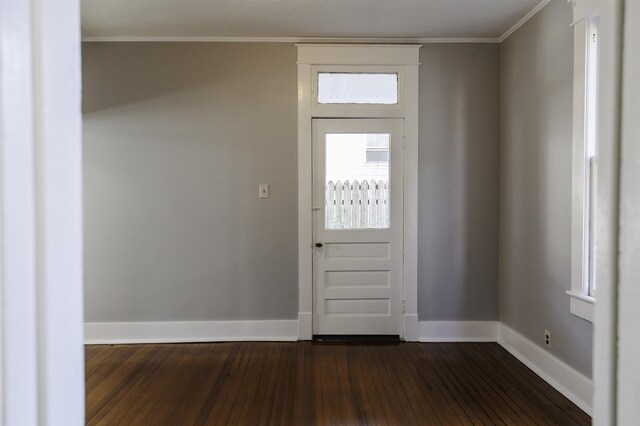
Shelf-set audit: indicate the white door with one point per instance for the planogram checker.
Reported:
(358, 219)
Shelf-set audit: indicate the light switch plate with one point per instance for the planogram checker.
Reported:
(263, 190)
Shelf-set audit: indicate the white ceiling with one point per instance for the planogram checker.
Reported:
(408, 19)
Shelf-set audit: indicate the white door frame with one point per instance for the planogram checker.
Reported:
(404, 59)
(41, 305)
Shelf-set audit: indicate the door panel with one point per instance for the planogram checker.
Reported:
(357, 279)
(357, 194)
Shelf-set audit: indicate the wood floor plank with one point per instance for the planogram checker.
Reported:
(303, 406)
(552, 400)
(493, 386)
(106, 395)
(170, 389)
(506, 386)
(439, 389)
(105, 360)
(392, 408)
(492, 403)
(202, 385)
(319, 383)
(418, 406)
(277, 407)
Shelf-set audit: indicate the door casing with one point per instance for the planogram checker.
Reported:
(405, 60)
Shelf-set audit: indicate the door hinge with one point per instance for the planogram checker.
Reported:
(404, 142)
(403, 306)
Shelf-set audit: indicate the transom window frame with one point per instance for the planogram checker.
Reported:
(360, 109)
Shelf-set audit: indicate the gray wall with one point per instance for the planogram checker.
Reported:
(535, 196)
(459, 182)
(177, 138)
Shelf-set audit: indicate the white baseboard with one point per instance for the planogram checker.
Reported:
(569, 382)
(305, 325)
(457, 331)
(190, 331)
(411, 328)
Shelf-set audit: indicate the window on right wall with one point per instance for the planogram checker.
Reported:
(585, 166)
(591, 149)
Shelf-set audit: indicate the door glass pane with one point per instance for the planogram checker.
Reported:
(357, 88)
(357, 181)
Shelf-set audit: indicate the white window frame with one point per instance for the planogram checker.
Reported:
(404, 60)
(357, 110)
(584, 173)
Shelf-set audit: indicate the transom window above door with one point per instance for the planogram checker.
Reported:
(357, 88)
(357, 91)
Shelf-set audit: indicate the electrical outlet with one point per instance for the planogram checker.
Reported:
(547, 338)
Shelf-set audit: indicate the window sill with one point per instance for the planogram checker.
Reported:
(581, 305)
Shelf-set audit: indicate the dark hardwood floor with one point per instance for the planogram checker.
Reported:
(320, 384)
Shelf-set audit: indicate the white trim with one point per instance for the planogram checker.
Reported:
(629, 242)
(605, 338)
(410, 257)
(411, 326)
(420, 40)
(191, 331)
(580, 307)
(305, 219)
(458, 331)
(408, 56)
(574, 385)
(359, 54)
(305, 325)
(523, 21)
(582, 297)
(19, 370)
(42, 368)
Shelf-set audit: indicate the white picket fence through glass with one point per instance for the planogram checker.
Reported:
(357, 204)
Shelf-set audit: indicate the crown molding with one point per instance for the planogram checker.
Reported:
(373, 40)
(522, 21)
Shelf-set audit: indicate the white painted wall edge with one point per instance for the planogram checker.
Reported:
(574, 385)
(191, 331)
(458, 331)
